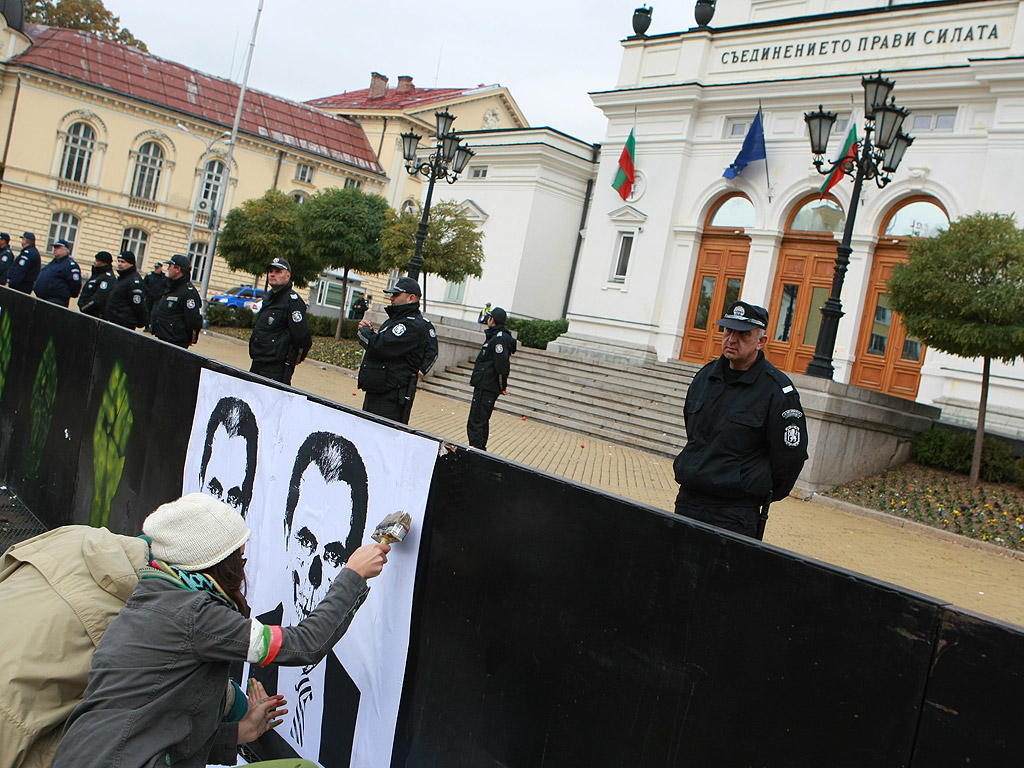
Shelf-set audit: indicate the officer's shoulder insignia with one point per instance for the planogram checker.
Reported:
(499, 349)
(294, 295)
(792, 435)
(296, 316)
(433, 333)
(399, 329)
(270, 320)
(792, 413)
(191, 303)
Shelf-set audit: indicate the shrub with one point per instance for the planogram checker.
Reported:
(953, 451)
(326, 325)
(958, 453)
(537, 333)
(230, 317)
(998, 464)
(929, 446)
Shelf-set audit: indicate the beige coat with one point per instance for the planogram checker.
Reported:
(59, 591)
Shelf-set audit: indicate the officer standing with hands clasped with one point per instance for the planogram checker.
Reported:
(126, 304)
(61, 279)
(746, 435)
(490, 377)
(397, 354)
(93, 300)
(281, 337)
(25, 269)
(176, 317)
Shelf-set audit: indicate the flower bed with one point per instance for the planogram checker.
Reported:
(346, 353)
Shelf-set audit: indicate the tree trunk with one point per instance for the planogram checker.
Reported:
(341, 312)
(979, 436)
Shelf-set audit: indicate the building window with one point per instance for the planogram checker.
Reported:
(299, 197)
(213, 179)
(63, 226)
(149, 161)
(455, 293)
(357, 183)
(622, 259)
(135, 240)
(409, 207)
(330, 294)
(736, 129)
(934, 122)
(79, 142)
(197, 254)
(479, 172)
(393, 276)
(304, 173)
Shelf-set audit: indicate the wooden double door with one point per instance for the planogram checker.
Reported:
(721, 264)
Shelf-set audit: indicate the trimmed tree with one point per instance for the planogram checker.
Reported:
(262, 229)
(963, 292)
(341, 230)
(453, 249)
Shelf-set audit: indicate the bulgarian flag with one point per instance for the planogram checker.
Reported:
(624, 179)
(847, 157)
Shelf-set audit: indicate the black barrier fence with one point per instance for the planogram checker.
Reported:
(555, 625)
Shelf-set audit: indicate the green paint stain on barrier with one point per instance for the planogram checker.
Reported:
(5, 347)
(110, 442)
(44, 394)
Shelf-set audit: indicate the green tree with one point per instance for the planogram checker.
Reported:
(341, 230)
(265, 228)
(87, 15)
(453, 249)
(963, 292)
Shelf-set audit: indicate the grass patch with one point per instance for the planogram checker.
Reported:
(991, 512)
(345, 353)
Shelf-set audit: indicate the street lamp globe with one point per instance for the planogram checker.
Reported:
(819, 127)
(444, 123)
(410, 141)
(876, 91)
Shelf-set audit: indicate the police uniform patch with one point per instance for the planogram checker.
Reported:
(399, 329)
(103, 285)
(191, 303)
(792, 435)
(295, 296)
(792, 413)
(433, 333)
(296, 316)
(499, 349)
(137, 299)
(270, 320)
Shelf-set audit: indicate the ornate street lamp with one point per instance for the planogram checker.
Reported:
(447, 161)
(876, 158)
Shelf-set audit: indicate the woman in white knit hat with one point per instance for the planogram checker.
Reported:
(159, 691)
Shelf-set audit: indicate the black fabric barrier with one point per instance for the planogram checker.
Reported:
(554, 624)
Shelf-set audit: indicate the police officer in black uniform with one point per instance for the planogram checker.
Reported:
(126, 305)
(176, 317)
(281, 337)
(397, 354)
(61, 279)
(25, 269)
(93, 300)
(156, 284)
(6, 256)
(490, 377)
(746, 435)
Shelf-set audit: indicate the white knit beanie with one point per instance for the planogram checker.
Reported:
(195, 531)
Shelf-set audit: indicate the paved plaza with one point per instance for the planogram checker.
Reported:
(931, 562)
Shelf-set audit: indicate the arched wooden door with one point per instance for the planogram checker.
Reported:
(802, 283)
(887, 359)
(721, 265)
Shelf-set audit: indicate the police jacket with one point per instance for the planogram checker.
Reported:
(176, 317)
(96, 291)
(24, 271)
(490, 371)
(6, 259)
(156, 286)
(281, 333)
(59, 281)
(126, 304)
(746, 440)
(396, 350)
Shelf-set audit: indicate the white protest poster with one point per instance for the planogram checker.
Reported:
(323, 480)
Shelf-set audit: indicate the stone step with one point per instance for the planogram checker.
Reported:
(673, 373)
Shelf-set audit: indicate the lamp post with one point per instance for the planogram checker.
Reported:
(447, 161)
(877, 158)
(206, 155)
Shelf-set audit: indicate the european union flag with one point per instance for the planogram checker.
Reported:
(753, 148)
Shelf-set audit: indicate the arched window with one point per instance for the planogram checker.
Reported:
(63, 226)
(919, 218)
(79, 142)
(135, 240)
(197, 254)
(149, 161)
(819, 216)
(299, 196)
(213, 180)
(735, 212)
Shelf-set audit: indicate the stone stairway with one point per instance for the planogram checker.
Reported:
(640, 407)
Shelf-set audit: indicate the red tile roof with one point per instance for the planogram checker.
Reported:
(412, 98)
(87, 58)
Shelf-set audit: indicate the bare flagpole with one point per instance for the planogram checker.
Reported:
(219, 209)
(767, 178)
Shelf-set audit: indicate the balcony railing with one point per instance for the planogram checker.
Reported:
(142, 204)
(72, 188)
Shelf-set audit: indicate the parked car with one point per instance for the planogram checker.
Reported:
(241, 297)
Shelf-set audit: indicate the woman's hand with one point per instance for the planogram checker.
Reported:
(368, 561)
(264, 713)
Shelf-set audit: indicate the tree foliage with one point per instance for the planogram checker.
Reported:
(86, 15)
(265, 228)
(453, 249)
(963, 291)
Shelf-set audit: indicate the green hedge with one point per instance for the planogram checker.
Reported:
(945, 449)
(231, 317)
(537, 333)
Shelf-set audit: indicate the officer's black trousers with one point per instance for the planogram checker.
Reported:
(281, 372)
(737, 519)
(391, 405)
(478, 427)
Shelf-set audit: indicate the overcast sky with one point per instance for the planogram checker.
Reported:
(548, 54)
